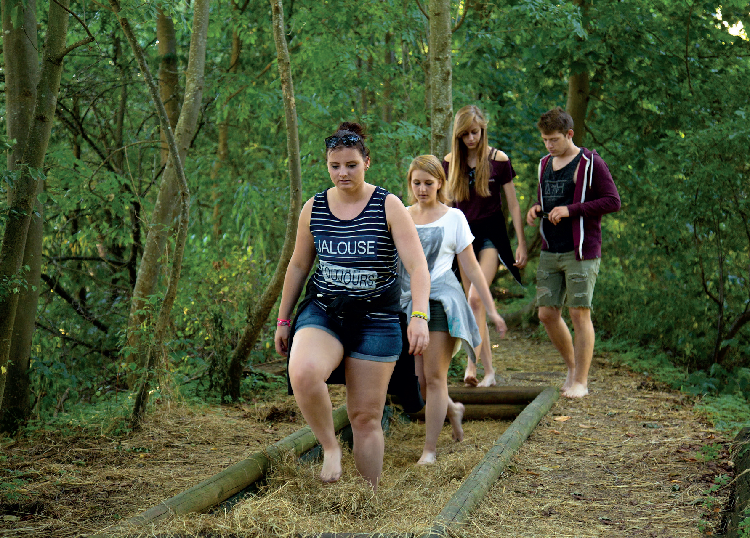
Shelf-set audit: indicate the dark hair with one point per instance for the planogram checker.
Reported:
(348, 135)
(555, 120)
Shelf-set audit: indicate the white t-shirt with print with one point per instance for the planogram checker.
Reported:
(443, 239)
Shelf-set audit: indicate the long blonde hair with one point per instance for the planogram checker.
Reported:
(431, 165)
(458, 169)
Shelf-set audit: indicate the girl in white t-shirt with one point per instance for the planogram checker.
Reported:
(444, 234)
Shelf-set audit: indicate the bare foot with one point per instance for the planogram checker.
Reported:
(331, 470)
(568, 382)
(470, 375)
(488, 380)
(576, 390)
(427, 458)
(455, 416)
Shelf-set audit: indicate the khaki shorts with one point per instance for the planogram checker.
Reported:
(560, 278)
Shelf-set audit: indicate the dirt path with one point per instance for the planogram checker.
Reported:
(632, 459)
(628, 460)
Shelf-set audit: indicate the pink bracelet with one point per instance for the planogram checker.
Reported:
(283, 322)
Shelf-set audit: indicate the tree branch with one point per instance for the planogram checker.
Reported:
(687, 48)
(422, 10)
(82, 42)
(109, 353)
(55, 286)
(463, 17)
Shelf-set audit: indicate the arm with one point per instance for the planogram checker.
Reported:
(603, 197)
(533, 214)
(471, 269)
(410, 251)
(296, 273)
(515, 213)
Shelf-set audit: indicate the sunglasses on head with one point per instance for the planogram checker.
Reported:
(347, 140)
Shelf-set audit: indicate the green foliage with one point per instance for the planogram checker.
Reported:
(11, 487)
(674, 276)
(14, 283)
(743, 527)
(727, 412)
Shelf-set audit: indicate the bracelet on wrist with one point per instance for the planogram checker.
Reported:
(420, 315)
(283, 322)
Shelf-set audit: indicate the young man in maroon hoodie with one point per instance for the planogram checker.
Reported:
(575, 190)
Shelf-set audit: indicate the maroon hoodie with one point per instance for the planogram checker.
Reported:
(595, 195)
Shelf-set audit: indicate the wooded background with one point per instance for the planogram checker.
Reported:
(134, 129)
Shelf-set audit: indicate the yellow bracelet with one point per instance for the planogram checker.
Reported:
(420, 315)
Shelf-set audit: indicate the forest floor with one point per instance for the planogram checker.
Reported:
(631, 459)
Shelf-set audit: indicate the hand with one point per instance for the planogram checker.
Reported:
(522, 257)
(499, 323)
(533, 214)
(281, 340)
(558, 213)
(418, 335)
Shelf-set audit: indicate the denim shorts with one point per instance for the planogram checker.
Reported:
(482, 243)
(560, 277)
(371, 339)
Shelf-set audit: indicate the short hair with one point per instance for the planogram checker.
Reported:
(431, 165)
(555, 120)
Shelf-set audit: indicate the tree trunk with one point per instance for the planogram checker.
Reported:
(388, 60)
(193, 95)
(222, 149)
(21, 77)
(577, 104)
(28, 181)
(441, 88)
(169, 192)
(16, 405)
(169, 82)
(263, 306)
(578, 93)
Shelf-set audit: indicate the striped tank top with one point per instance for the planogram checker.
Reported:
(356, 257)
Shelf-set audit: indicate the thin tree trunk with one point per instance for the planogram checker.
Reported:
(27, 184)
(388, 60)
(222, 149)
(263, 306)
(195, 85)
(169, 193)
(169, 82)
(441, 77)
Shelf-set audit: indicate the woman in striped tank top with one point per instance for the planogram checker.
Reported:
(358, 232)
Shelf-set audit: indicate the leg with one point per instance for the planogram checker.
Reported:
(559, 334)
(470, 375)
(488, 261)
(419, 372)
(583, 347)
(437, 361)
(314, 355)
(366, 384)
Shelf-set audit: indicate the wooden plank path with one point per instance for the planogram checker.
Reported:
(230, 481)
(240, 476)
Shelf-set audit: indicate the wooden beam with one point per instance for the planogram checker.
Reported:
(486, 472)
(494, 395)
(223, 485)
(483, 411)
(740, 498)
